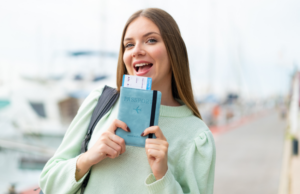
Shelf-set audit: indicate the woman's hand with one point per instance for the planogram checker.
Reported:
(157, 151)
(108, 145)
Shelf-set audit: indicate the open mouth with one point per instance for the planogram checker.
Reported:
(142, 67)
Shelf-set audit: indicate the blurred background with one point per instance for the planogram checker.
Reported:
(244, 60)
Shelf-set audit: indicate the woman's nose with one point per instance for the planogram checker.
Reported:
(138, 51)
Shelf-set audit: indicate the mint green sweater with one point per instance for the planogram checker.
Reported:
(191, 157)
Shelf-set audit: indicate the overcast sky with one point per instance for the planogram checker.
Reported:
(248, 44)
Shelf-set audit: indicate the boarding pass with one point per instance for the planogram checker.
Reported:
(137, 82)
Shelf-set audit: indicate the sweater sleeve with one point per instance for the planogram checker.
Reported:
(195, 171)
(58, 175)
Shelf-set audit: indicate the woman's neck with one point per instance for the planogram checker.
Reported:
(167, 98)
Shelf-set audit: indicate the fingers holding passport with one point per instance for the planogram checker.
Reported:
(116, 140)
(118, 124)
(157, 151)
(156, 130)
(108, 145)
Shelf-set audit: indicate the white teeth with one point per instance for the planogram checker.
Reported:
(141, 64)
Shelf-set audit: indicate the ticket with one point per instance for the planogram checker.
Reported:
(137, 82)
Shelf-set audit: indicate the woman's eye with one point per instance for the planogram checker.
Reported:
(152, 40)
(128, 45)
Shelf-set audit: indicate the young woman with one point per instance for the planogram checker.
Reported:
(182, 157)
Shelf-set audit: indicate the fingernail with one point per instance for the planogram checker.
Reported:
(142, 134)
(128, 129)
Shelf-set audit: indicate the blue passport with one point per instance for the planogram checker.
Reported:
(139, 109)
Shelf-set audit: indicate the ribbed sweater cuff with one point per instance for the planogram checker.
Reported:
(157, 186)
(72, 170)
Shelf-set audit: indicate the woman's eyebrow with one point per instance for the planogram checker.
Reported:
(150, 33)
(147, 34)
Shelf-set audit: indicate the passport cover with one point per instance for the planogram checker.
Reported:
(139, 109)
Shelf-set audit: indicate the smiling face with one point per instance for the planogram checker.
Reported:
(145, 52)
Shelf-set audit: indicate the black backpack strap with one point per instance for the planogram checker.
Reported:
(107, 99)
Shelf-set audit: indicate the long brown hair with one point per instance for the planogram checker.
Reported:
(177, 53)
